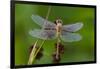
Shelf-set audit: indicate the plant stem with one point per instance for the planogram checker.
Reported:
(38, 50)
(47, 15)
(32, 53)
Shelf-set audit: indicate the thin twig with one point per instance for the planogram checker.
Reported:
(32, 53)
(47, 15)
(38, 51)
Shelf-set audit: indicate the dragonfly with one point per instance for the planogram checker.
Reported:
(51, 30)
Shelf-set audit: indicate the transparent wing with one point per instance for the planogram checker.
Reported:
(72, 27)
(70, 37)
(43, 34)
(42, 22)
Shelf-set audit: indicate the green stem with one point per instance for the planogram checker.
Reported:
(32, 53)
(38, 50)
(47, 15)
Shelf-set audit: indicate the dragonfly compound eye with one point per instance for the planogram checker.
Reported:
(58, 21)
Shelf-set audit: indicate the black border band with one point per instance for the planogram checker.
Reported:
(12, 33)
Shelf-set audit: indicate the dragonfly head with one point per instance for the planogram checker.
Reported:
(58, 21)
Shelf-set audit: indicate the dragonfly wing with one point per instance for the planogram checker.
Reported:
(42, 22)
(70, 37)
(72, 27)
(43, 34)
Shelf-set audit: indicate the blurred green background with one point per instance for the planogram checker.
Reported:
(80, 51)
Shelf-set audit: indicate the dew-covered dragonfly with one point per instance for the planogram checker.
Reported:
(50, 30)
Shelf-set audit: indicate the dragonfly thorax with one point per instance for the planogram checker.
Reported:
(58, 27)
